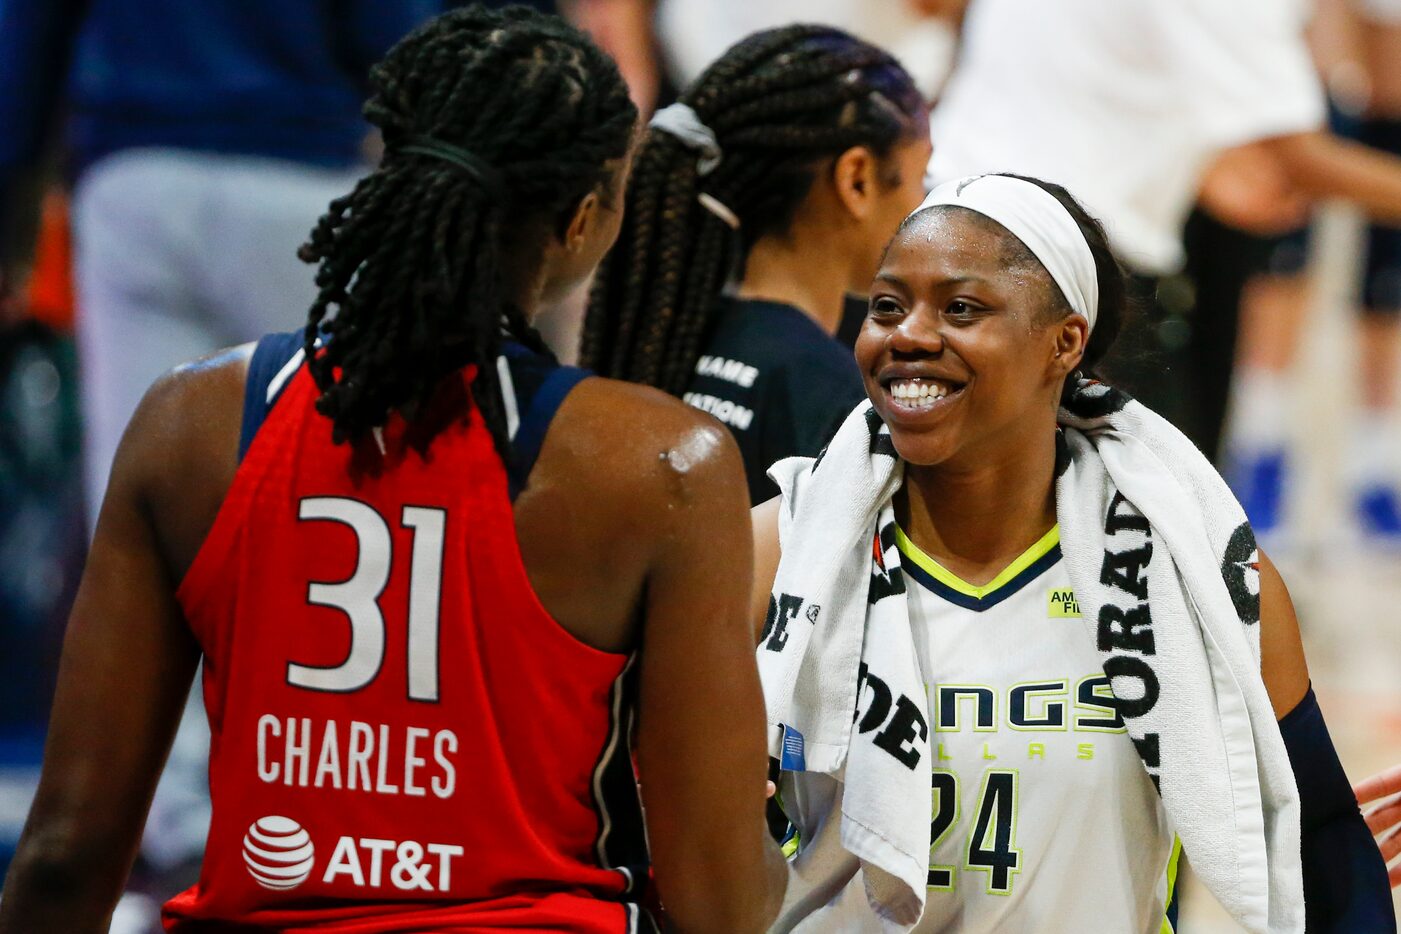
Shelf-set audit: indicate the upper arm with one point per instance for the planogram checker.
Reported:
(1282, 662)
(701, 744)
(764, 519)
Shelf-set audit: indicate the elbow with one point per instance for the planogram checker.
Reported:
(717, 895)
(54, 865)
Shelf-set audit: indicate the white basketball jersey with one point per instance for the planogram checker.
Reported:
(1043, 816)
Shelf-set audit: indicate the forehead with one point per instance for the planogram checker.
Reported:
(954, 243)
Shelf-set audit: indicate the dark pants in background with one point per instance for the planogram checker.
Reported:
(1177, 352)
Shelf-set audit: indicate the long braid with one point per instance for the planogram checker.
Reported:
(779, 104)
(410, 261)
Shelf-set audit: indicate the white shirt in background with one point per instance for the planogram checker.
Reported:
(694, 33)
(1124, 102)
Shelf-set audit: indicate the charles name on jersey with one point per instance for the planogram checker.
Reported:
(375, 758)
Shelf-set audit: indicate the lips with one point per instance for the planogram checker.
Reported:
(913, 396)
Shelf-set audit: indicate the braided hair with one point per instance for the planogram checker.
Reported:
(529, 112)
(779, 103)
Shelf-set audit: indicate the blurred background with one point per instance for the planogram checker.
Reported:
(161, 160)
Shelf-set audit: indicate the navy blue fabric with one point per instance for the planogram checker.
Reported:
(269, 357)
(277, 78)
(779, 382)
(1032, 571)
(1345, 883)
(540, 387)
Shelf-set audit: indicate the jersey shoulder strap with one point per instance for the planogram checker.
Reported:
(276, 360)
(533, 387)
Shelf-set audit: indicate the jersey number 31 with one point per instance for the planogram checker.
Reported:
(358, 597)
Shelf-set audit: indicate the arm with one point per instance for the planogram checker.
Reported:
(623, 29)
(128, 659)
(1247, 188)
(701, 748)
(1386, 817)
(1321, 165)
(1345, 886)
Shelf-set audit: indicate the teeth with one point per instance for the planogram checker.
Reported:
(918, 391)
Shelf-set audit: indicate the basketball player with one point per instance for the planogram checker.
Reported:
(1045, 820)
(785, 168)
(420, 561)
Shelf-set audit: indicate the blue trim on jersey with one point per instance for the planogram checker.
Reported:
(540, 383)
(1034, 570)
(269, 357)
(539, 411)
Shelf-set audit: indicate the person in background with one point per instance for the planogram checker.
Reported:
(757, 203)
(919, 33)
(1361, 55)
(202, 140)
(357, 525)
(1127, 102)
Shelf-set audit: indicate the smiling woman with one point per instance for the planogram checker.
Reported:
(1011, 573)
(976, 338)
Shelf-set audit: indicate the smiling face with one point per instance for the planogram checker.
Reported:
(967, 342)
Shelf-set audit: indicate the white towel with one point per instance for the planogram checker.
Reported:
(1162, 561)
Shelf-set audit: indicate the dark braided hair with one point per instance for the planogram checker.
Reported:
(410, 261)
(779, 103)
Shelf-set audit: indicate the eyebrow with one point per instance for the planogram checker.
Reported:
(956, 280)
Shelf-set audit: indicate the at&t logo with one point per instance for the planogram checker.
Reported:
(278, 853)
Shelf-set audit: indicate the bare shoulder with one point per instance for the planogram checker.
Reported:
(646, 446)
(187, 414)
(180, 450)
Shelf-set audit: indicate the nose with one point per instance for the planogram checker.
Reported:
(918, 334)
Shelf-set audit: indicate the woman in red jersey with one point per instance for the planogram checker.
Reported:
(427, 569)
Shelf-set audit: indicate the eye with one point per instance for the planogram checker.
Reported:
(884, 305)
(959, 308)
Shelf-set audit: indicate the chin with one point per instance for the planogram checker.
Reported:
(924, 448)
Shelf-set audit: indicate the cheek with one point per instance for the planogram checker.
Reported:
(870, 341)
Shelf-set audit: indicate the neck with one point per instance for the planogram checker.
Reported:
(810, 273)
(976, 520)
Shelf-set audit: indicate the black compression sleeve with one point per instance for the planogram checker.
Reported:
(1345, 883)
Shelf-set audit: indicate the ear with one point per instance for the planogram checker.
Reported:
(855, 178)
(1071, 335)
(576, 233)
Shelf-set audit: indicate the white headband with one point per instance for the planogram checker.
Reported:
(1037, 219)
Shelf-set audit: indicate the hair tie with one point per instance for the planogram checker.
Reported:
(680, 121)
(1037, 218)
(484, 172)
(717, 207)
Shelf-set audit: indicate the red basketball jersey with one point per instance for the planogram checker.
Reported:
(402, 737)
